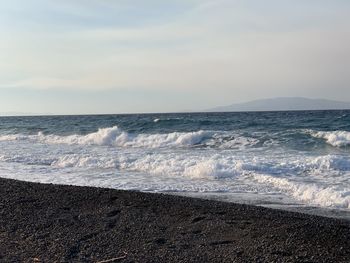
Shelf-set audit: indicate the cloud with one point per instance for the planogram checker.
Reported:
(242, 48)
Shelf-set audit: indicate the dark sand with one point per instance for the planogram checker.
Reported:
(48, 223)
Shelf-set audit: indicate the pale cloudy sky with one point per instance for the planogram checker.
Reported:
(114, 56)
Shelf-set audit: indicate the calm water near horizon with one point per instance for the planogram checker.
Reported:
(290, 160)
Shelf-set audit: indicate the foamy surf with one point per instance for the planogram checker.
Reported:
(114, 136)
(240, 157)
(312, 194)
(334, 138)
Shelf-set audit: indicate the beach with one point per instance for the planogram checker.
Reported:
(57, 223)
(174, 131)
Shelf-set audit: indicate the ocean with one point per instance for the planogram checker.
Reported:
(288, 160)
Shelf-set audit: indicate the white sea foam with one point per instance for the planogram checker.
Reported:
(166, 119)
(182, 166)
(335, 138)
(312, 194)
(198, 164)
(12, 137)
(114, 136)
(27, 159)
(212, 169)
(86, 161)
(169, 162)
(330, 162)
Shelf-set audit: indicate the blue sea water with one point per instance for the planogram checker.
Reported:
(290, 160)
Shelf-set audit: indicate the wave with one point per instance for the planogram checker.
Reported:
(84, 161)
(321, 175)
(325, 196)
(160, 164)
(28, 159)
(114, 136)
(167, 119)
(330, 162)
(211, 167)
(208, 163)
(334, 138)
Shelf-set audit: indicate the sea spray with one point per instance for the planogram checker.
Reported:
(280, 158)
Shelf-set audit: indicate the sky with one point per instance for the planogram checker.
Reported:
(128, 56)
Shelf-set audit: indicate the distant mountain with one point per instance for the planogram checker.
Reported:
(285, 104)
(15, 113)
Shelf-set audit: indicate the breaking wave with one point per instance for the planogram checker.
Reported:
(334, 138)
(291, 162)
(325, 196)
(114, 136)
(222, 172)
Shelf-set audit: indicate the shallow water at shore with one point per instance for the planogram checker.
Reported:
(289, 160)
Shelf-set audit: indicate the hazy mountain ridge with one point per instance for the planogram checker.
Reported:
(285, 104)
(19, 114)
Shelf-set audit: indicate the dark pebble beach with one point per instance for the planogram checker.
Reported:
(56, 223)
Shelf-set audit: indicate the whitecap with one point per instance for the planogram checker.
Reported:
(325, 196)
(116, 137)
(334, 138)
